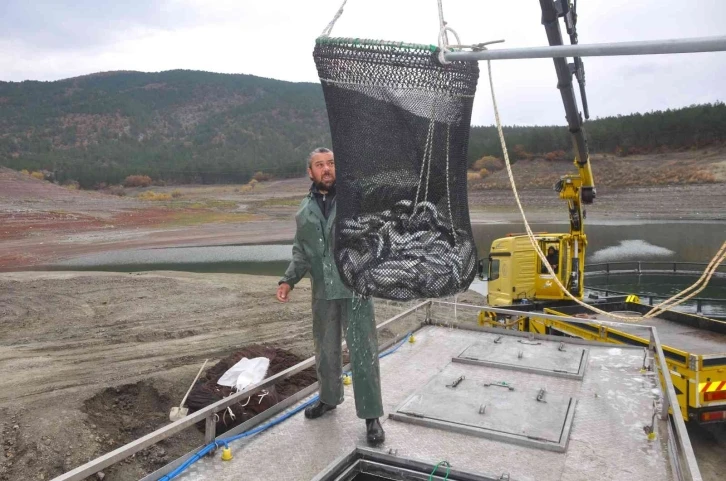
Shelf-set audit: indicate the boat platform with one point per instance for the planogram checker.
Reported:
(479, 404)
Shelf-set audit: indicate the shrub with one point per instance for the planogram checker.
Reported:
(556, 155)
(175, 194)
(472, 176)
(484, 173)
(71, 184)
(261, 177)
(137, 181)
(37, 175)
(25, 171)
(492, 164)
(519, 153)
(151, 195)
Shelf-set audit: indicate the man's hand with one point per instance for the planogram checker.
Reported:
(283, 292)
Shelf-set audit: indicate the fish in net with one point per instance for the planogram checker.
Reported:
(400, 124)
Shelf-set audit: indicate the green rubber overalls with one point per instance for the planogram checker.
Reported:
(336, 310)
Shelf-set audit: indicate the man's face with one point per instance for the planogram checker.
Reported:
(322, 170)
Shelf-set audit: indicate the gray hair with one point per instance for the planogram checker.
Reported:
(319, 150)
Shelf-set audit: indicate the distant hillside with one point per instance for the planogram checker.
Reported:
(189, 126)
(176, 125)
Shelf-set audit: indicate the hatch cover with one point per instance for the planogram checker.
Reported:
(527, 415)
(542, 357)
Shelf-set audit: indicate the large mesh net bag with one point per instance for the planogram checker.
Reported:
(400, 125)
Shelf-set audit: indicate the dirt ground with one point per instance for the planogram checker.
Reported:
(90, 361)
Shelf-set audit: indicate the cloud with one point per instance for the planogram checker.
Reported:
(44, 25)
(49, 40)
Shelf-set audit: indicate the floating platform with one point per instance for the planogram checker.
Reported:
(493, 405)
(463, 403)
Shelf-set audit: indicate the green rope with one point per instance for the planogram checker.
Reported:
(354, 42)
(448, 468)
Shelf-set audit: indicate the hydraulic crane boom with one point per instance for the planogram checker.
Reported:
(551, 11)
(575, 189)
(516, 273)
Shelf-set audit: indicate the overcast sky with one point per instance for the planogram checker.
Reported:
(57, 39)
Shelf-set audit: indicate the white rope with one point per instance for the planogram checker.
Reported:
(704, 279)
(329, 28)
(713, 265)
(448, 190)
(426, 159)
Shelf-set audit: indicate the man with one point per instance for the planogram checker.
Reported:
(335, 308)
(553, 257)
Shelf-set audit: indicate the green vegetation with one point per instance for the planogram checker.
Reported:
(678, 129)
(178, 126)
(198, 127)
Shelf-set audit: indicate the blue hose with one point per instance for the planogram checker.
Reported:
(224, 441)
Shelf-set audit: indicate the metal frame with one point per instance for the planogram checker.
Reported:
(559, 447)
(688, 467)
(683, 455)
(374, 462)
(544, 372)
(649, 47)
(207, 415)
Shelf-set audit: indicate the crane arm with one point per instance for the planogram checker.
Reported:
(552, 10)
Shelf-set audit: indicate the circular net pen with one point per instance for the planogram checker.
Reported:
(400, 125)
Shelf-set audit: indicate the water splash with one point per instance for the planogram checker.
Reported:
(630, 249)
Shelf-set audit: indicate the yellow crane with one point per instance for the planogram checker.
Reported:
(515, 272)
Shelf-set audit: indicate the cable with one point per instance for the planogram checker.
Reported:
(441, 463)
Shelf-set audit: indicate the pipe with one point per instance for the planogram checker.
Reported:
(649, 47)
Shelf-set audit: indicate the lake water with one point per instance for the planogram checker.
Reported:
(607, 242)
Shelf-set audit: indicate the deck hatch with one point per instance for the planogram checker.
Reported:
(529, 355)
(526, 415)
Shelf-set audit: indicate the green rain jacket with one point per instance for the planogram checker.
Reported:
(312, 251)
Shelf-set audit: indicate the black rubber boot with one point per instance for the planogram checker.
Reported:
(318, 409)
(374, 431)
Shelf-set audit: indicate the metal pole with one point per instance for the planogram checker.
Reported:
(649, 47)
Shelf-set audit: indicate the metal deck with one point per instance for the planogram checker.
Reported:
(679, 336)
(607, 441)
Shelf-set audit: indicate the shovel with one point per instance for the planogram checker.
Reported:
(179, 412)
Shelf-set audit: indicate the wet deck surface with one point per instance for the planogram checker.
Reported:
(614, 402)
(680, 336)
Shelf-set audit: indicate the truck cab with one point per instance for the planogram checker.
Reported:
(516, 274)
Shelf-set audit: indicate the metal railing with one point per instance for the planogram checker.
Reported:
(648, 47)
(651, 267)
(659, 267)
(697, 303)
(687, 466)
(208, 413)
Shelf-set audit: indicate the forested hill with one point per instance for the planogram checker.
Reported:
(191, 126)
(178, 125)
